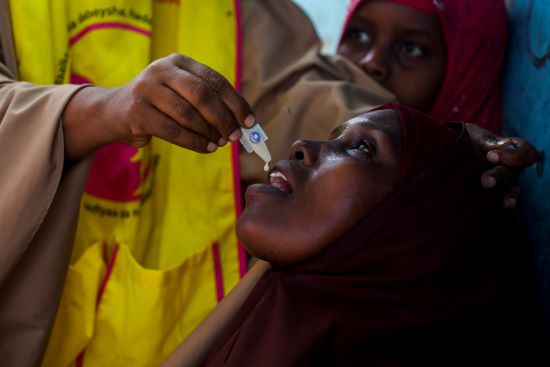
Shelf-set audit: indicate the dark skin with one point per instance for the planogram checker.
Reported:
(291, 217)
(404, 50)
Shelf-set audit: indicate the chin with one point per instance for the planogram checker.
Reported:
(241, 228)
(259, 240)
(246, 230)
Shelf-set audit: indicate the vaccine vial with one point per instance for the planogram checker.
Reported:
(253, 140)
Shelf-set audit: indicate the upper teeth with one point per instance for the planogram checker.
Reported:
(279, 181)
(277, 174)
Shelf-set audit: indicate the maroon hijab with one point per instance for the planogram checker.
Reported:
(476, 35)
(435, 275)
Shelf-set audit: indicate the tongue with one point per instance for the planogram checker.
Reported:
(282, 185)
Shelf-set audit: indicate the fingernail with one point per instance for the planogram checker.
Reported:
(511, 147)
(511, 203)
(249, 121)
(235, 135)
(222, 142)
(491, 182)
(211, 147)
(493, 157)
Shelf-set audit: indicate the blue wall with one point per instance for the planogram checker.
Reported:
(527, 114)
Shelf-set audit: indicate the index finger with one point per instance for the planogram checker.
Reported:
(233, 100)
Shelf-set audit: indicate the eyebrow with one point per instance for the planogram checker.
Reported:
(414, 31)
(385, 128)
(418, 32)
(336, 131)
(376, 125)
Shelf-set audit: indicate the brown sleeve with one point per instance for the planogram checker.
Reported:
(7, 49)
(39, 200)
(294, 90)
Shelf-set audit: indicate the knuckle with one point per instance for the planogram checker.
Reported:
(227, 123)
(173, 57)
(185, 112)
(138, 88)
(178, 57)
(217, 81)
(203, 94)
(155, 67)
(180, 61)
(172, 131)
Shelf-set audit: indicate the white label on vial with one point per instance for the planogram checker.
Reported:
(252, 136)
(253, 140)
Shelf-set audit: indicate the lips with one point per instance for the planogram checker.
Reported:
(278, 180)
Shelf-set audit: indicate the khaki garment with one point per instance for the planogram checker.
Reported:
(295, 92)
(39, 196)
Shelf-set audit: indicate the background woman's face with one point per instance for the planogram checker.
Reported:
(323, 189)
(400, 47)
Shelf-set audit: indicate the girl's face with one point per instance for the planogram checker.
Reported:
(323, 189)
(400, 47)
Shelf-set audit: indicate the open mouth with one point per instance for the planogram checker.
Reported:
(279, 181)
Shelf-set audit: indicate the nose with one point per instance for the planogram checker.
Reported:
(375, 64)
(306, 151)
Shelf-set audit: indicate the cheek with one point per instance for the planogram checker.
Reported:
(339, 206)
(289, 231)
(350, 52)
(285, 235)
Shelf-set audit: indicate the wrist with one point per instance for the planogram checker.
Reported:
(87, 122)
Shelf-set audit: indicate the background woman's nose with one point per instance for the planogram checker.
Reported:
(305, 151)
(374, 64)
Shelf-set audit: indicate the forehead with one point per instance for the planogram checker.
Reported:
(385, 121)
(398, 15)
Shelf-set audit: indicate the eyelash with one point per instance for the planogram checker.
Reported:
(404, 45)
(356, 33)
(365, 146)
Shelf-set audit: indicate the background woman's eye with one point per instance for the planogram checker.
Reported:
(412, 49)
(360, 36)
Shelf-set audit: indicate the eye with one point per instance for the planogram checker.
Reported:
(411, 49)
(365, 146)
(360, 36)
